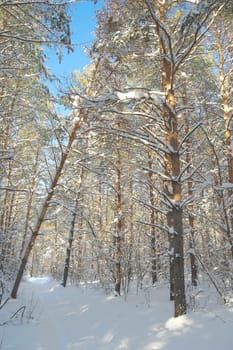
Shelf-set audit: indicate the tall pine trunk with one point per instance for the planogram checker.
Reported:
(173, 186)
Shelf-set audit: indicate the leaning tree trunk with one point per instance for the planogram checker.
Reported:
(44, 208)
(64, 155)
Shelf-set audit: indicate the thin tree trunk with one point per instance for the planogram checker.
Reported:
(100, 233)
(152, 221)
(54, 264)
(30, 198)
(118, 237)
(4, 220)
(131, 229)
(80, 251)
(72, 228)
(193, 262)
(9, 205)
(225, 94)
(70, 242)
(218, 181)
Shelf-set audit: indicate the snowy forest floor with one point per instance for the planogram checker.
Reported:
(85, 318)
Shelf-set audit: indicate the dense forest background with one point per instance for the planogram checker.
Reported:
(133, 184)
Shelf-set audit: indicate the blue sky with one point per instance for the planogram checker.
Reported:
(83, 29)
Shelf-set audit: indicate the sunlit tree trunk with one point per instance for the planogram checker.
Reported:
(172, 187)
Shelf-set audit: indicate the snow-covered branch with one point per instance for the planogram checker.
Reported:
(193, 171)
(118, 96)
(198, 33)
(185, 138)
(160, 227)
(159, 173)
(8, 156)
(183, 170)
(140, 138)
(149, 206)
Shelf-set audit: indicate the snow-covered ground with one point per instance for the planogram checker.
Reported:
(57, 318)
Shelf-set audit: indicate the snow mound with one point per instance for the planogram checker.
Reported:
(38, 280)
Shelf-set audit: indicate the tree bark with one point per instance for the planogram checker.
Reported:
(131, 229)
(193, 262)
(175, 224)
(172, 187)
(118, 237)
(152, 221)
(72, 229)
